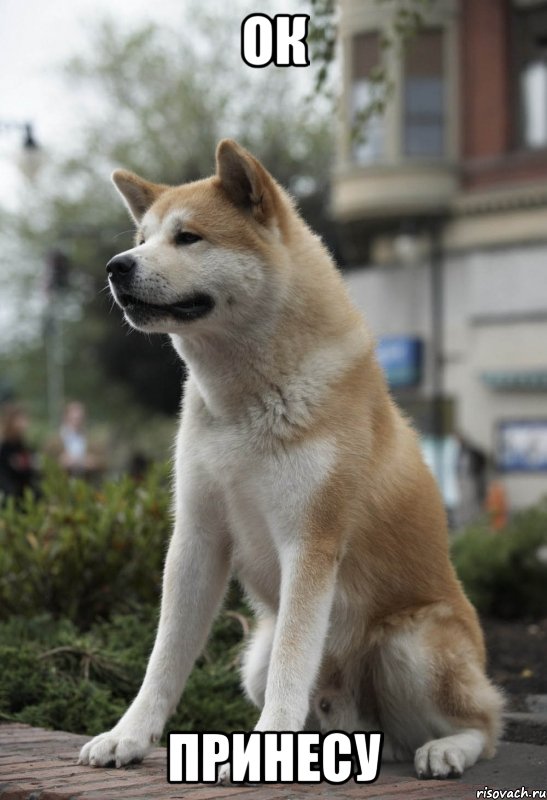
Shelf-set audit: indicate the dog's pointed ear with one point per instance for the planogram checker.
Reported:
(246, 182)
(137, 193)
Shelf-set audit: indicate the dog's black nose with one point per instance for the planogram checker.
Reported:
(120, 266)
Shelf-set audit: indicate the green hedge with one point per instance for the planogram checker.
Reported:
(79, 552)
(80, 578)
(80, 583)
(54, 676)
(505, 572)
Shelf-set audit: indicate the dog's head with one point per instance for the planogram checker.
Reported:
(204, 251)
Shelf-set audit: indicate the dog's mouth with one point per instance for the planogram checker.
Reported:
(190, 307)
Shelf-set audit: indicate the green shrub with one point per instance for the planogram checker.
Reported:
(54, 676)
(502, 572)
(80, 578)
(80, 552)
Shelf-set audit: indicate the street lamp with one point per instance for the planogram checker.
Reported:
(30, 161)
(29, 142)
(26, 128)
(408, 246)
(437, 344)
(57, 282)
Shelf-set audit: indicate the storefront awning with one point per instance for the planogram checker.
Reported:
(516, 380)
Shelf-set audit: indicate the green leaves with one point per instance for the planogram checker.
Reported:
(79, 552)
(53, 676)
(503, 572)
(80, 575)
(403, 20)
(322, 38)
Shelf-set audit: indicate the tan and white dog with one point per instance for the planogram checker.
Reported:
(296, 471)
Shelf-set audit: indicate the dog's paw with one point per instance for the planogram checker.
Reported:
(439, 759)
(114, 748)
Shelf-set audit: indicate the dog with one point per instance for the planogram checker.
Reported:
(296, 471)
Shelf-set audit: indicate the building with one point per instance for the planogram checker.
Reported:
(442, 205)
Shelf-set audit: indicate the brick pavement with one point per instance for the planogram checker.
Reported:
(36, 764)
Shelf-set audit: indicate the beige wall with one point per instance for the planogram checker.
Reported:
(495, 319)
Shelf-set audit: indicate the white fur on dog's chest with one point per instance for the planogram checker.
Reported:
(277, 485)
(267, 495)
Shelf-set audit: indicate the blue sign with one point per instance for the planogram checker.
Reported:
(522, 445)
(401, 358)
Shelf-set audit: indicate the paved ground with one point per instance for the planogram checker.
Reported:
(41, 765)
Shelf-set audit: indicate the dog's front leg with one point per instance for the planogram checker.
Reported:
(308, 575)
(195, 577)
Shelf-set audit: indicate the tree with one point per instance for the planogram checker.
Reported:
(404, 19)
(160, 105)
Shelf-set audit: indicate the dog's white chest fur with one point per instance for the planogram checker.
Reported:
(266, 490)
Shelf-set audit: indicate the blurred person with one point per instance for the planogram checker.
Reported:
(139, 464)
(471, 474)
(441, 456)
(18, 470)
(73, 450)
(496, 504)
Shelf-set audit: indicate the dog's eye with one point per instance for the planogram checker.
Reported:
(324, 705)
(185, 237)
(141, 241)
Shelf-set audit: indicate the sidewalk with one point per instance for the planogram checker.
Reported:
(36, 764)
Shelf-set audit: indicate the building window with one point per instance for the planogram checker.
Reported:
(367, 130)
(530, 40)
(424, 96)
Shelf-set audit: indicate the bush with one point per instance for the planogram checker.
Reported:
(502, 572)
(54, 676)
(79, 552)
(80, 578)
